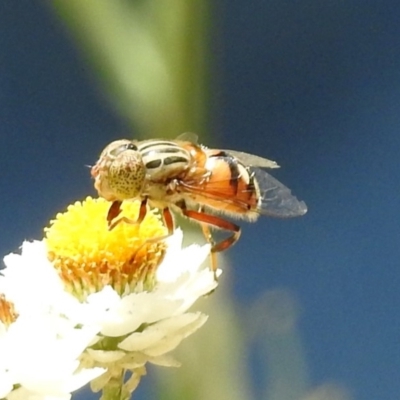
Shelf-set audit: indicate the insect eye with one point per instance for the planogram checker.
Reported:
(123, 147)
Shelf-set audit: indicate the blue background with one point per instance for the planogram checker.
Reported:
(314, 85)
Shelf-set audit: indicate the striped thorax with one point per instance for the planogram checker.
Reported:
(163, 159)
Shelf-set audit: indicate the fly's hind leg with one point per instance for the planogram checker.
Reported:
(207, 220)
(213, 255)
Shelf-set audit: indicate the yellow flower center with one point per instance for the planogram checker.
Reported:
(89, 256)
(7, 311)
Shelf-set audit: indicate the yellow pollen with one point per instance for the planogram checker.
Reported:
(7, 311)
(88, 256)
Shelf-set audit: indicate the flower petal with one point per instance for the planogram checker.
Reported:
(165, 335)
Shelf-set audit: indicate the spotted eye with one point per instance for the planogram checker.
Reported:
(123, 147)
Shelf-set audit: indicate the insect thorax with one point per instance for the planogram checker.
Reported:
(164, 160)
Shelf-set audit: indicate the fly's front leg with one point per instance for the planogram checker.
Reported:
(115, 209)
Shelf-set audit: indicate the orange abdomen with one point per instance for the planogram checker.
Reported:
(231, 186)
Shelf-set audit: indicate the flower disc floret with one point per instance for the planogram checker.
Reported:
(7, 311)
(88, 256)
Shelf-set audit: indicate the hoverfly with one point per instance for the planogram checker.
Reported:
(200, 183)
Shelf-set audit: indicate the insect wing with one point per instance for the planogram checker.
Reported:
(252, 160)
(188, 137)
(276, 199)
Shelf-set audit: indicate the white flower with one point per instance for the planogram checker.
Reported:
(106, 303)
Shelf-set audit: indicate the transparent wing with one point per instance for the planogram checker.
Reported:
(188, 137)
(276, 199)
(252, 160)
(245, 158)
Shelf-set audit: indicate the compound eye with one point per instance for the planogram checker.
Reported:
(123, 147)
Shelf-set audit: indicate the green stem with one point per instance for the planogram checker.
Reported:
(115, 388)
(152, 58)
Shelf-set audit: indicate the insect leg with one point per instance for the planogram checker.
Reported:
(168, 220)
(115, 210)
(218, 223)
(169, 224)
(213, 255)
(207, 219)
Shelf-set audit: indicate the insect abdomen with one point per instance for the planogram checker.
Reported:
(231, 187)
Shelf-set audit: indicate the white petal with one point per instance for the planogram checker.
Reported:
(138, 341)
(6, 384)
(188, 287)
(134, 310)
(169, 342)
(165, 361)
(178, 261)
(108, 356)
(24, 394)
(83, 377)
(164, 335)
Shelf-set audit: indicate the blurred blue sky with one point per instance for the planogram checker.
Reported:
(313, 85)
